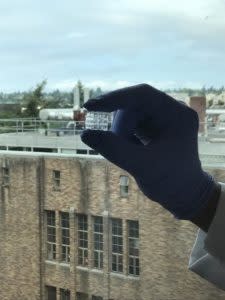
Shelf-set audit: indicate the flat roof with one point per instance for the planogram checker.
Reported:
(39, 140)
(51, 154)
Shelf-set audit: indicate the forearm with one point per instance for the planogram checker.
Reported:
(205, 217)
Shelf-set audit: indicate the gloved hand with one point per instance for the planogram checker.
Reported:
(155, 138)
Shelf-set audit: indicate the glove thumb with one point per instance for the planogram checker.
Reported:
(113, 147)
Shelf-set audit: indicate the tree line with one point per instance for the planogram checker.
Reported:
(30, 102)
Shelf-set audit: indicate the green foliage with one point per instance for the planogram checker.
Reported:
(37, 97)
(210, 103)
(95, 93)
(220, 102)
(198, 92)
(34, 100)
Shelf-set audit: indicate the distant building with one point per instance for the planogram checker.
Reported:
(198, 103)
(180, 96)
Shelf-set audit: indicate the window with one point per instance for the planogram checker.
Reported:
(96, 298)
(51, 292)
(82, 240)
(124, 186)
(51, 235)
(98, 242)
(56, 180)
(65, 237)
(133, 247)
(117, 245)
(82, 296)
(64, 294)
(5, 176)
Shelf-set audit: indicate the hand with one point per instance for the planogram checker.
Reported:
(155, 138)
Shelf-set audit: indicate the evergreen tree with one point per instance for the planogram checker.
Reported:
(34, 100)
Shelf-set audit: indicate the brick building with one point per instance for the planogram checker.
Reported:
(198, 103)
(79, 228)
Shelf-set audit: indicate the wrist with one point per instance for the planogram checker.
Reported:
(204, 218)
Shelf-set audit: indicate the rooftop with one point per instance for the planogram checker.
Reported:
(59, 138)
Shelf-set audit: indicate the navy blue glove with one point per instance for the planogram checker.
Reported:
(155, 138)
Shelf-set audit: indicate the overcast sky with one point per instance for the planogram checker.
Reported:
(169, 44)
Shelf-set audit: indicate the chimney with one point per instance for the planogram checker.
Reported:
(76, 98)
(198, 103)
(86, 94)
(78, 113)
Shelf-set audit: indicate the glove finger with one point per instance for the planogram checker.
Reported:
(130, 97)
(160, 108)
(116, 149)
(138, 96)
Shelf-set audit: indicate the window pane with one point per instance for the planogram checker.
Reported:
(64, 294)
(51, 235)
(98, 242)
(96, 260)
(137, 271)
(51, 218)
(51, 230)
(51, 293)
(133, 247)
(124, 180)
(56, 178)
(120, 268)
(82, 222)
(96, 298)
(82, 240)
(133, 229)
(117, 245)
(101, 260)
(51, 251)
(66, 241)
(124, 190)
(65, 220)
(131, 269)
(82, 296)
(56, 174)
(114, 267)
(5, 175)
(66, 233)
(80, 257)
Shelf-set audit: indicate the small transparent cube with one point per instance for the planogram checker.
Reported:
(98, 120)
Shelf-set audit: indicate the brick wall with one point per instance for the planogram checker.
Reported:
(91, 187)
(19, 232)
(198, 103)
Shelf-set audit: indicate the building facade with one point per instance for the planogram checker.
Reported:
(79, 228)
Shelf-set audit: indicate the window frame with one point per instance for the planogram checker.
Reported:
(65, 297)
(93, 297)
(133, 239)
(56, 180)
(63, 245)
(47, 288)
(5, 176)
(124, 188)
(117, 256)
(100, 235)
(83, 295)
(81, 249)
(49, 243)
